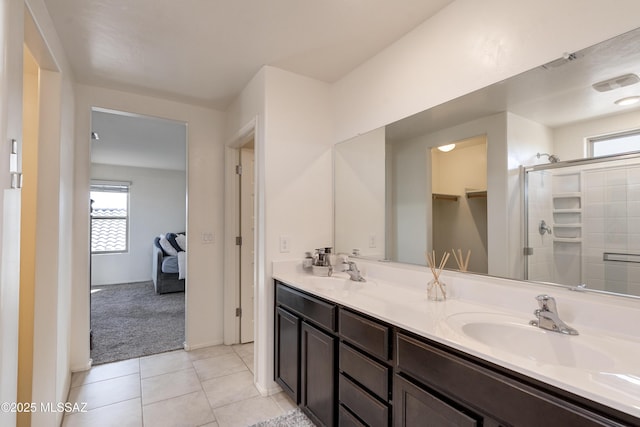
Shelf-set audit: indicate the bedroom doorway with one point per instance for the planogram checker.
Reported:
(138, 192)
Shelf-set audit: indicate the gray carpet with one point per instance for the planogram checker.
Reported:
(131, 320)
(293, 418)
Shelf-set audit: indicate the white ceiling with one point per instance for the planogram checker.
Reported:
(554, 95)
(205, 51)
(138, 141)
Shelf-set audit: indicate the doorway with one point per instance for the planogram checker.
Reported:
(246, 208)
(459, 201)
(138, 194)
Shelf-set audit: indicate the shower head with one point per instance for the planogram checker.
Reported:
(552, 157)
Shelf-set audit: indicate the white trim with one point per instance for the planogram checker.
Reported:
(188, 347)
(82, 368)
(232, 225)
(268, 391)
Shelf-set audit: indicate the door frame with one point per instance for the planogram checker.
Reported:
(231, 230)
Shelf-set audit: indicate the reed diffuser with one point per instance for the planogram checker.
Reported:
(436, 289)
(463, 263)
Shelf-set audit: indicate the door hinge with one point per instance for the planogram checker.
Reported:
(238, 312)
(239, 240)
(238, 169)
(527, 251)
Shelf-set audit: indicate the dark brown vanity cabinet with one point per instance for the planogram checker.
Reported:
(306, 350)
(434, 382)
(287, 353)
(345, 368)
(364, 384)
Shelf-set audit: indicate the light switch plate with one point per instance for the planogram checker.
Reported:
(284, 244)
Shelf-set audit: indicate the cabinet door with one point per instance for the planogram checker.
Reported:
(287, 357)
(318, 382)
(414, 406)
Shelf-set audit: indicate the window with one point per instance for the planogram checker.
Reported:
(619, 143)
(109, 217)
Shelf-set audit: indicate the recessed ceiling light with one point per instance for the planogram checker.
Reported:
(628, 100)
(447, 148)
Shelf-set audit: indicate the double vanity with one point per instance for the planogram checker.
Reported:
(379, 353)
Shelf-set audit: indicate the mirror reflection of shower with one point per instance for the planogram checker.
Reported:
(543, 228)
(591, 206)
(552, 157)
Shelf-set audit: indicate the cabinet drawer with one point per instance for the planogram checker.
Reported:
(314, 309)
(364, 370)
(366, 334)
(503, 398)
(346, 418)
(414, 406)
(373, 412)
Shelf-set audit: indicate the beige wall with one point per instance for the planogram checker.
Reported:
(294, 184)
(205, 202)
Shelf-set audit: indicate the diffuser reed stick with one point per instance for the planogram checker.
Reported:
(463, 264)
(436, 289)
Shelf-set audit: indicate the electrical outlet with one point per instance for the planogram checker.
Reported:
(372, 241)
(284, 244)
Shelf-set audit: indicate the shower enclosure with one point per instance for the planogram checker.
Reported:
(582, 222)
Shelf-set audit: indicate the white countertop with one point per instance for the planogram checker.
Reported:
(599, 364)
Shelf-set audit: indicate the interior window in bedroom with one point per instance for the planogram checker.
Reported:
(109, 217)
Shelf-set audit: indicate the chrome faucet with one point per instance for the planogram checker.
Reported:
(548, 317)
(353, 272)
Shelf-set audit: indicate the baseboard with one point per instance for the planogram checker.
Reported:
(188, 347)
(273, 388)
(82, 368)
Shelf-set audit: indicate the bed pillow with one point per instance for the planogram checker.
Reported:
(171, 237)
(166, 246)
(181, 240)
(156, 242)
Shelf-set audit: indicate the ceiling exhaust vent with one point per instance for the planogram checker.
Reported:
(616, 82)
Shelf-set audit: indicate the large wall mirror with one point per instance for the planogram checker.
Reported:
(501, 174)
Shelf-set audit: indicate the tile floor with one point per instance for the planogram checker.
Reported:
(210, 387)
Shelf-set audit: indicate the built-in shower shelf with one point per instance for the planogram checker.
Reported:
(567, 240)
(566, 195)
(567, 211)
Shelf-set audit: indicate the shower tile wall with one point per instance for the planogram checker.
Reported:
(612, 225)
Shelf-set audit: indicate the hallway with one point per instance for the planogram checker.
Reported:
(210, 387)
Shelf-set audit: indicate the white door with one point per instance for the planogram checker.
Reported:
(247, 263)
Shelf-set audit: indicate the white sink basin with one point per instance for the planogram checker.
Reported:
(515, 336)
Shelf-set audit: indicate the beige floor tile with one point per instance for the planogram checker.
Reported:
(219, 366)
(213, 424)
(167, 386)
(230, 388)
(105, 372)
(243, 349)
(189, 410)
(106, 392)
(247, 412)
(248, 361)
(208, 352)
(122, 414)
(284, 401)
(164, 363)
